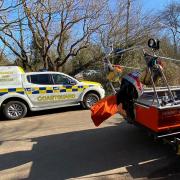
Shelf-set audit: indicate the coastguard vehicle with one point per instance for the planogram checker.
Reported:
(21, 92)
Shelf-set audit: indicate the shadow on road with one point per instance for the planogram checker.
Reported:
(49, 111)
(86, 152)
(54, 111)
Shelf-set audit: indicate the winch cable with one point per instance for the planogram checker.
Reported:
(168, 58)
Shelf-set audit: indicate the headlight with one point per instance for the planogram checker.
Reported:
(101, 86)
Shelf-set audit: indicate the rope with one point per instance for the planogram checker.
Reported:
(129, 67)
(168, 58)
(142, 47)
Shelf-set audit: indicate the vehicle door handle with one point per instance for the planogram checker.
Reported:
(56, 88)
(32, 89)
(28, 89)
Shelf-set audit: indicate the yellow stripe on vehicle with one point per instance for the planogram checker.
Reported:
(43, 90)
(21, 70)
(3, 90)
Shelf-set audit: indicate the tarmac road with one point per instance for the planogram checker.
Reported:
(65, 144)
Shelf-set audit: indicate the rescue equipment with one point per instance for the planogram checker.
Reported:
(104, 109)
(158, 108)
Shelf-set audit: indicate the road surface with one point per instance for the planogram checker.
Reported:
(64, 144)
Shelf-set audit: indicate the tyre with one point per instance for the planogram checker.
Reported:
(89, 100)
(14, 110)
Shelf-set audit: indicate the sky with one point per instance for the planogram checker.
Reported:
(151, 6)
(147, 5)
(156, 4)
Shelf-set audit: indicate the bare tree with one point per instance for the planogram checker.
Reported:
(12, 32)
(127, 21)
(64, 24)
(126, 25)
(170, 20)
(3, 61)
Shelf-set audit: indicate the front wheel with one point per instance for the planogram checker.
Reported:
(89, 100)
(14, 110)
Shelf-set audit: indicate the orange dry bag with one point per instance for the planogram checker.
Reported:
(104, 109)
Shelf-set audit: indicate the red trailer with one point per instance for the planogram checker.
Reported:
(158, 109)
(162, 120)
(159, 117)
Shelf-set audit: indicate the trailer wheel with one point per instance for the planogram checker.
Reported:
(14, 110)
(89, 100)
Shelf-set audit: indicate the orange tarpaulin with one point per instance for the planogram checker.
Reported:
(104, 109)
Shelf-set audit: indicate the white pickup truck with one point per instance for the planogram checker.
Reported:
(21, 92)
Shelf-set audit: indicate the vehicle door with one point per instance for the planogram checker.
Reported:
(40, 89)
(69, 90)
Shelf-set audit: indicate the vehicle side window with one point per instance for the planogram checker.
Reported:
(42, 79)
(61, 79)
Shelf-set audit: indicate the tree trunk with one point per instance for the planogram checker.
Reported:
(127, 22)
(175, 46)
(45, 62)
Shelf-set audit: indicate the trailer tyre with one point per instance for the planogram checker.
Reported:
(89, 100)
(14, 110)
